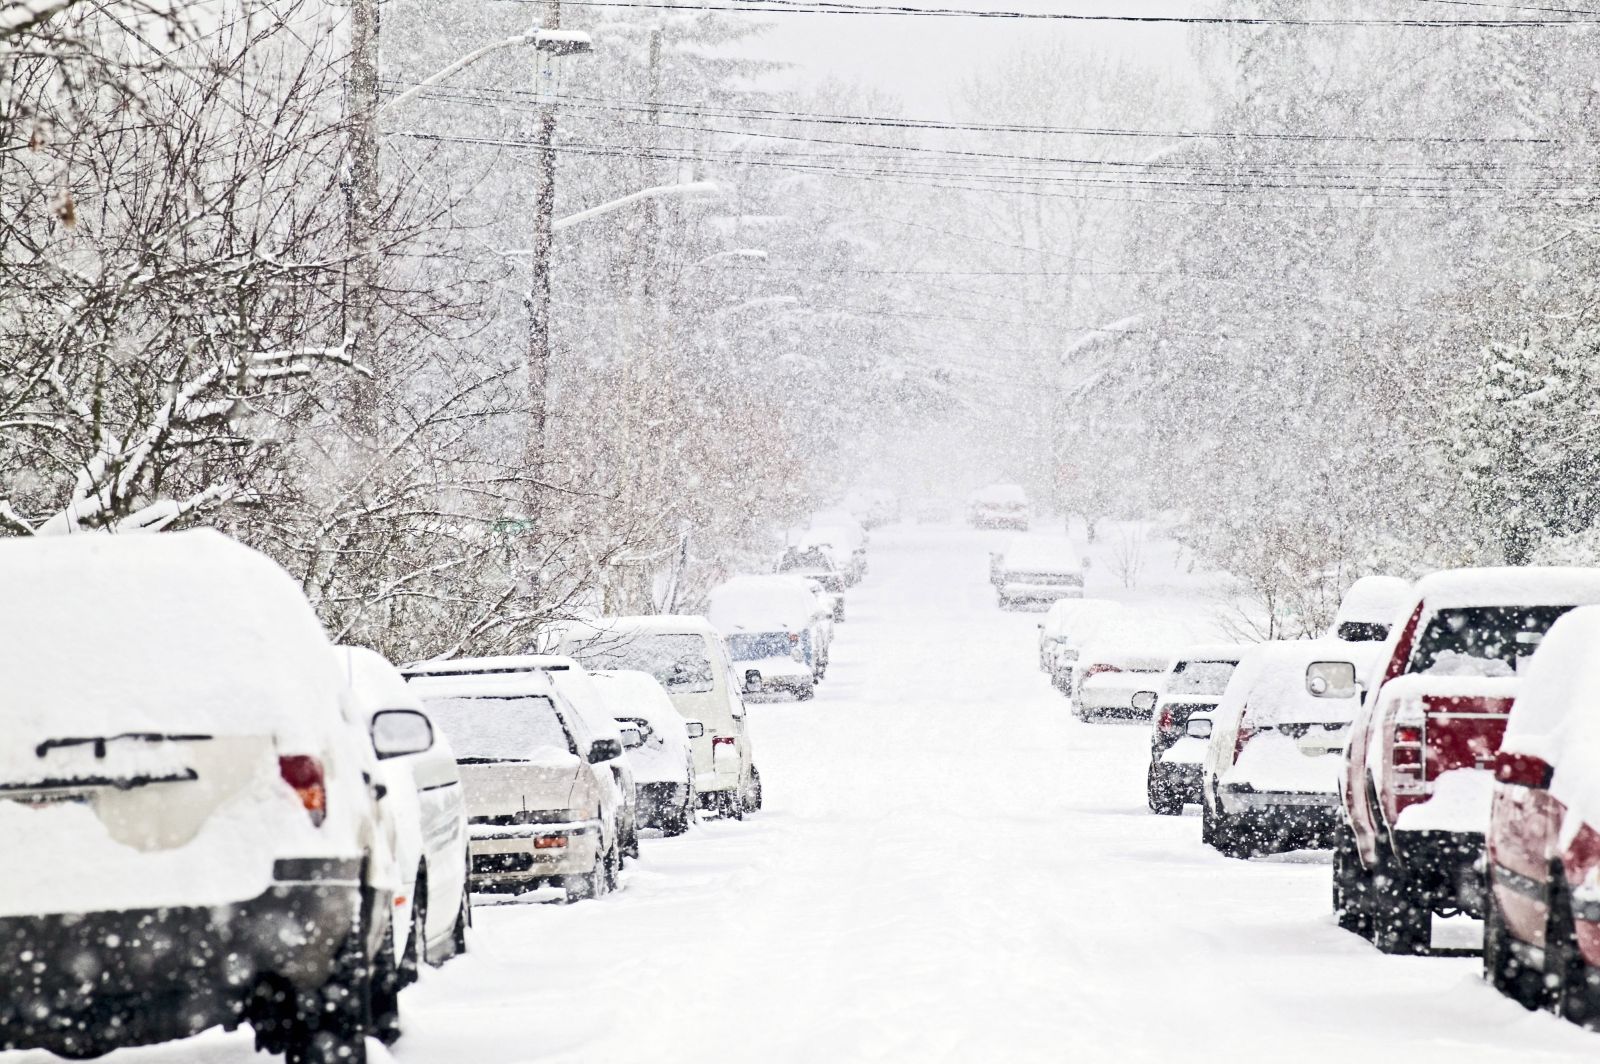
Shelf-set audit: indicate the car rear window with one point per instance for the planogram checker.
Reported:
(499, 727)
(756, 647)
(678, 662)
(1482, 640)
(1207, 679)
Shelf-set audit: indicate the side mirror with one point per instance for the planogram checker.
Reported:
(604, 750)
(399, 732)
(1332, 679)
(632, 738)
(1145, 701)
(1198, 728)
(1522, 770)
(694, 728)
(752, 682)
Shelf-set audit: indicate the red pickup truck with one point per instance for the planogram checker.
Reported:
(1541, 942)
(1417, 782)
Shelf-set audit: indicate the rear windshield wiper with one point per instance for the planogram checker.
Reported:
(119, 783)
(488, 760)
(100, 741)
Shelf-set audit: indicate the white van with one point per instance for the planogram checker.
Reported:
(542, 807)
(687, 657)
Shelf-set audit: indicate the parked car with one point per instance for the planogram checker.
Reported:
(1082, 627)
(543, 807)
(1541, 943)
(1052, 630)
(663, 761)
(1036, 573)
(1269, 782)
(999, 506)
(1372, 606)
(817, 563)
(1112, 673)
(772, 632)
(873, 507)
(186, 787)
(424, 797)
(687, 656)
(843, 536)
(1196, 682)
(1417, 781)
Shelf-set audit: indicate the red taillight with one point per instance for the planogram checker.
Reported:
(304, 774)
(1246, 733)
(1165, 722)
(794, 637)
(1407, 755)
(1097, 668)
(550, 842)
(718, 740)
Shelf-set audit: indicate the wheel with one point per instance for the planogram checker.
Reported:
(753, 803)
(458, 934)
(733, 804)
(632, 849)
(806, 694)
(1574, 986)
(591, 884)
(1159, 794)
(1399, 924)
(613, 869)
(417, 946)
(838, 613)
(386, 992)
(1208, 823)
(1502, 970)
(1352, 888)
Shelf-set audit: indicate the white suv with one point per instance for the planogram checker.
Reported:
(187, 807)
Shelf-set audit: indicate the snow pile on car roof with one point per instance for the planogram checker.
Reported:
(181, 632)
(1000, 495)
(1044, 553)
(1375, 600)
(375, 683)
(761, 604)
(1557, 689)
(1526, 586)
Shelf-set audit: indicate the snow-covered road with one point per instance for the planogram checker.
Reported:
(949, 869)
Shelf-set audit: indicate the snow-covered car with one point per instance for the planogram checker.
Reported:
(687, 656)
(1270, 778)
(1195, 684)
(663, 762)
(1112, 673)
(542, 803)
(840, 533)
(1542, 929)
(817, 563)
(1053, 629)
(1078, 630)
(776, 613)
(1036, 572)
(1417, 781)
(999, 506)
(425, 800)
(187, 826)
(873, 507)
(1372, 606)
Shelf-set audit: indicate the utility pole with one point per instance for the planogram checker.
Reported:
(544, 212)
(362, 152)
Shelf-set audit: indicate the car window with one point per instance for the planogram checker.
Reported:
(748, 646)
(679, 662)
(499, 727)
(1482, 640)
(1207, 679)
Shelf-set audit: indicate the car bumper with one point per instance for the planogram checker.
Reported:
(511, 857)
(1283, 819)
(1181, 781)
(135, 977)
(657, 801)
(1444, 869)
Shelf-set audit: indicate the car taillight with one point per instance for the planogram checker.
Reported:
(1165, 722)
(719, 740)
(1246, 733)
(794, 637)
(1407, 754)
(1097, 668)
(304, 774)
(1582, 854)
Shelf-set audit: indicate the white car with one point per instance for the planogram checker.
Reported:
(1035, 573)
(542, 803)
(1197, 682)
(186, 785)
(840, 531)
(1110, 674)
(1077, 630)
(686, 655)
(425, 799)
(663, 760)
(770, 625)
(1270, 780)
(999, 506)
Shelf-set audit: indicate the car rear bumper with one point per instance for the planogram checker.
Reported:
(101, 980)
(1283, 819)
(1182, 781)
(1444, 869)
(511, 857)
(657, 801)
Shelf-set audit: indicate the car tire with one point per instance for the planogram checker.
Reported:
(1158, 794)
(1571, 982)
(806, 694)
(588, 886)
(1501, 968)
(838, 613)
(613, 871)
(1352, 887)
(753, 803)
(1399, 924)
(458, 934)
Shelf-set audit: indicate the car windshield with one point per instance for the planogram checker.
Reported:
(1207, 679)
(759, 646)
(498, 727)
(679, 662)
(806, 561)
(1363, 632)
(1482, 640)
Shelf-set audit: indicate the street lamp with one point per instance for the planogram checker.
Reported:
(551, 43)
